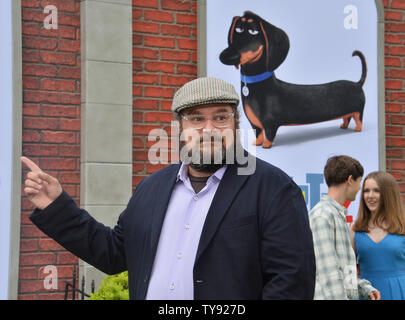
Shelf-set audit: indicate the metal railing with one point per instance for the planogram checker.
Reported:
(76, 290)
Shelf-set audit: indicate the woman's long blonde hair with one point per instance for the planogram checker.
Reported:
(390, 210)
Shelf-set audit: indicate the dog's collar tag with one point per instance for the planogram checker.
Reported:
(245, 90)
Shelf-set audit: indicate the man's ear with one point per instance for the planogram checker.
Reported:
(351, 180)
(177, 121)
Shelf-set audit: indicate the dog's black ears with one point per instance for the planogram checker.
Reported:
(276, 40)
(277, 44)
(232, 30)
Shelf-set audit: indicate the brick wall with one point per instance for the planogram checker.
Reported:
(164, 58)
(394, 88)
(51, 131)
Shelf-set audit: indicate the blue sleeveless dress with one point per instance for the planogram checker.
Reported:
(383, 264)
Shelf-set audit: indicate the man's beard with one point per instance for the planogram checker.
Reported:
(218, 157)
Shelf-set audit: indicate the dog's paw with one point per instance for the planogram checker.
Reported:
(267, 144)
(258, 141)
(358, 129)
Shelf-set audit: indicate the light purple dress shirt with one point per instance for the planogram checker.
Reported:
(172, 273)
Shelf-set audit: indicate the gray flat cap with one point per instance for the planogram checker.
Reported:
(204, 91)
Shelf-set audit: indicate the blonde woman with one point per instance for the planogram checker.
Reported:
(378, 235)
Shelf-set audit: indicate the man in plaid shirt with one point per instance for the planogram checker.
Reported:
(336, 272)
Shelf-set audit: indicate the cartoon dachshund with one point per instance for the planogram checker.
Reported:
(260, 48)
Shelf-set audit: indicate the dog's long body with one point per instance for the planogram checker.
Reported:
(259, 48)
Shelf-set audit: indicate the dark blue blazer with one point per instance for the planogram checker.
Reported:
(256, 242)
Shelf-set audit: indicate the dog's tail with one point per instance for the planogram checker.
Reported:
(364, 66)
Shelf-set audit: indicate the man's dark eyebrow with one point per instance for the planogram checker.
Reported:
(196, 112)
(222, 110)
(190, 112)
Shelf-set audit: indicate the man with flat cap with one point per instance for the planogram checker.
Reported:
(195, 229)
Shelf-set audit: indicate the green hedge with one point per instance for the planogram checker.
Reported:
(113, 287)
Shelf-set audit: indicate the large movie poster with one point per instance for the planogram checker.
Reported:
(6, 147)
(307, 76)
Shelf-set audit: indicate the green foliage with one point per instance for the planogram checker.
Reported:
(114, 287)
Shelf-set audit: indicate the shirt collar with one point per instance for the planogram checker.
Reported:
(341, 209)
(183, 173)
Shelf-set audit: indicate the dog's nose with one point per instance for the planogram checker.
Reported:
(230, 57)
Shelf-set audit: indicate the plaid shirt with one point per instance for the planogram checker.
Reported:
(336, 272)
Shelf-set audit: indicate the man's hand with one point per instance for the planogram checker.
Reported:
(375, 295)
(40, 188)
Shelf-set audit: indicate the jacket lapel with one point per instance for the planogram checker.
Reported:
(163, 193)
(228, 188)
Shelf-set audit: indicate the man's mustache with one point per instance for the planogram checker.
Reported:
(195, 140)
(211, 138)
